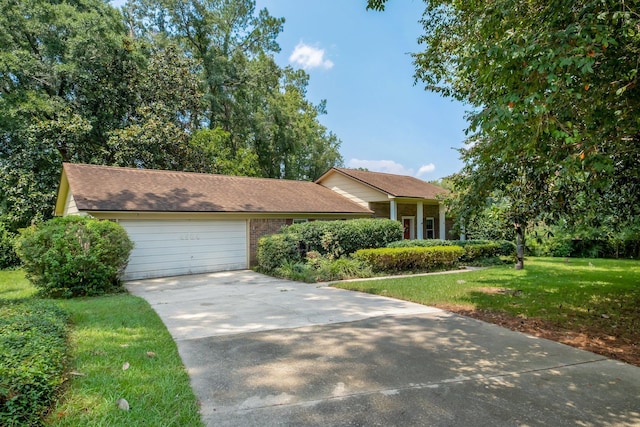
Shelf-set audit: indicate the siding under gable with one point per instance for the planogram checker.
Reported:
(353, 190)
(70, 207)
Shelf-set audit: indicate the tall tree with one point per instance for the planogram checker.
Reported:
(80, 82)
(167, 112)
(46, 50)
(223, 35)
(288, 138)
(262, 108)
(554, 98)
(74, 87)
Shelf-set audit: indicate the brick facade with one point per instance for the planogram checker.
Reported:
(263, 227)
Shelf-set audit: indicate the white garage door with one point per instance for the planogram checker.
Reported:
(174, 247)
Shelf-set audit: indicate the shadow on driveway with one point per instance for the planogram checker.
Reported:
(317, 356)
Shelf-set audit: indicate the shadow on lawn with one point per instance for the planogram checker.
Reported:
(578, 297)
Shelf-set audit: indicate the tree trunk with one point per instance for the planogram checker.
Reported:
(519, 247)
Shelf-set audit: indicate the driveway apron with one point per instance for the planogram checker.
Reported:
(262, 351)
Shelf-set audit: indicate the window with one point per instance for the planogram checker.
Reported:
(429, 225)
(300, 220)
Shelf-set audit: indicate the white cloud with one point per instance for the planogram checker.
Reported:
(309, 57)
(424, 169)
(389, 166)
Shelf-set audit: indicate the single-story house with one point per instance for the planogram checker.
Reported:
(187, 223)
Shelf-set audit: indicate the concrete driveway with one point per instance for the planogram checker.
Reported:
(267, 352)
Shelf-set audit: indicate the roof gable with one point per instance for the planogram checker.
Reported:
(391, 184)
(104, 188)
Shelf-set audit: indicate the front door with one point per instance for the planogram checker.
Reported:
(409, 227)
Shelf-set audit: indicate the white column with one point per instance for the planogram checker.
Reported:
(394, 210)
(441, 215)
(420, 221)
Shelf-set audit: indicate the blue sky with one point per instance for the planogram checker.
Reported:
(359, 62)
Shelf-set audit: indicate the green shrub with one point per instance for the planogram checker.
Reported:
(336, 239)
(507, 248)
(326, 269)
(474, 249)
(298, 271)
(480, 251)
(393, 260)
(8, 256)
(563, 246)
(33, 337)
(564, 240)
(427, 243)
(276, 250)
(75, 256)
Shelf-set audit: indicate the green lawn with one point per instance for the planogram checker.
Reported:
(573, 294)
(113, 332)
(109, 334)
(13, 285)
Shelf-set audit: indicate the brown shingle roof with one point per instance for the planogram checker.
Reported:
(394, 185)
(104, 188)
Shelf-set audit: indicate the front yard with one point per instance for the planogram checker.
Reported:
(592, 304)
(119, 349)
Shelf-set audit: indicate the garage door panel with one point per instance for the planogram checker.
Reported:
(196, 252)
(209, 243)
(223, 245)
(191, 236)
(182, 225)
(200, 259)
(162, 270)
(174, 247)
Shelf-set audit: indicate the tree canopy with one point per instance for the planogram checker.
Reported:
(553, 97)
(167, 84)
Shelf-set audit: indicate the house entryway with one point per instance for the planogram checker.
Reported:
(409, 226)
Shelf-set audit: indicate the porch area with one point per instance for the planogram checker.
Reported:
(420, 219)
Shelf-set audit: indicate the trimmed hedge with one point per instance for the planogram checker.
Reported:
(428, 243)
(339, 238)
(393, 260)
(479, 251)
(33, 344)
(75, 256)
(474, 249)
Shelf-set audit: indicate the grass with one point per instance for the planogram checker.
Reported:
(572, 294)
(13, 285)
(109, 334)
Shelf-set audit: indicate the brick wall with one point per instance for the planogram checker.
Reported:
(263, 227)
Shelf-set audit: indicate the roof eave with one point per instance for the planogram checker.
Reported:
(233, 213)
